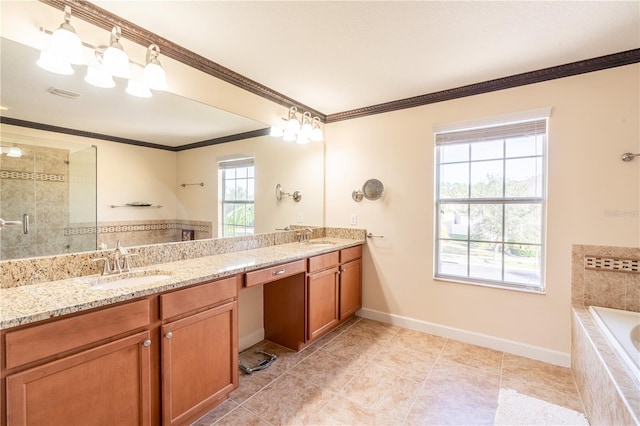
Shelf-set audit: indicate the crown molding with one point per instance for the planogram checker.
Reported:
(103, 19)
(574, 68)
(92, 135)
(106, 20)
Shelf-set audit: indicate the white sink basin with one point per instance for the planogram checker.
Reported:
(128, 280)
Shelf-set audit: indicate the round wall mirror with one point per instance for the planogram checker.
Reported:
(372, 189)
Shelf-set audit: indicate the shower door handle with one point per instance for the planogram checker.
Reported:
(4, 223)
(25, 223)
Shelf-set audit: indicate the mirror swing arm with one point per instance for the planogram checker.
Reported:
(296, 195)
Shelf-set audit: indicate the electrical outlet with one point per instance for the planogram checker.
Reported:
(300, 217)
(354, 219)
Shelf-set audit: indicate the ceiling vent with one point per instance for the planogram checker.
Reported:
(64, 93)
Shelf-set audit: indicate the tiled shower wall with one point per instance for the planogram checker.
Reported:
(36, 184)
(42, 184)
(606, 276)
(143, 232)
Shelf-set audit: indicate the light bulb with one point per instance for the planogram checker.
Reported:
(302, 139)
(317, 135)
(155, 76)
(99, 78)
(54, 63)
(14, 152)
(293, 125)
(116, 62)
(289, 136)
(276, 131)
(138, 89)
(66, 44)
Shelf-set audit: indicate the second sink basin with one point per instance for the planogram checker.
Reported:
(130, 280)
(320, 243)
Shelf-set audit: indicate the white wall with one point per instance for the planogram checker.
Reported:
(125, 173)
(594, 120)
(295, 167)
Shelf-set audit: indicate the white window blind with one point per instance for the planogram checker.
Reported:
(491, 201)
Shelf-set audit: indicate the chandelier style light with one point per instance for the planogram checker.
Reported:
(301, 128)
(65, 49)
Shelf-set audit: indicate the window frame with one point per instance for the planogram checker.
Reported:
(223, 167)
(503, 201)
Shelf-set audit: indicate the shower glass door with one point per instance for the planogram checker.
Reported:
(48, 195)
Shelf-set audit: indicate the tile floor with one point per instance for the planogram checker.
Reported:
(371, 373)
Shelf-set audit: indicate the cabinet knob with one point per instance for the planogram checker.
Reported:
(146, 343)
(169, 335)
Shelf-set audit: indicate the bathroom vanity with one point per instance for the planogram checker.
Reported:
(166, 353)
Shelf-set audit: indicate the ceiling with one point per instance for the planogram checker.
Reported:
(332, 56)
(336, 56)
(165, 120)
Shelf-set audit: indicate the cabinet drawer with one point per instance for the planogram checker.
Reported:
(324, 261)
(273, 273)
(41, 341)
(197, 297)
(350, 253)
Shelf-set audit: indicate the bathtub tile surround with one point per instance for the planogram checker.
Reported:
(609, 393)
(15, 273)
(603, 276)
(367, 372)
(606, 276)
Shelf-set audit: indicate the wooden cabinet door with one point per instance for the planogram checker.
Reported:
(106, 385)
(350, 288)
(199, 363)
(322, 302)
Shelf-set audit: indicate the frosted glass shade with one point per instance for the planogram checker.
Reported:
(99, 78)
(53, 63)
(67, 45)
(116, 62)
(138, 89)
(155, 77)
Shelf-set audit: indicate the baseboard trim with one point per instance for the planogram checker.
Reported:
(517, 348)
(245, 342)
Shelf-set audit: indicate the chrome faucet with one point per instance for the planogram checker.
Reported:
(304, 235)
(120, 261)
(120, 258)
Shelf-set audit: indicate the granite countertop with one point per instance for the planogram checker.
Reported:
(35, 302)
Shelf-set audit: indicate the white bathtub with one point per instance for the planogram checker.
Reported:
(622, 329)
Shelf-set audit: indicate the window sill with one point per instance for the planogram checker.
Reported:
(530, 290)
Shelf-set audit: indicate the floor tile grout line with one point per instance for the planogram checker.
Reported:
(424, 382)
(287, 370)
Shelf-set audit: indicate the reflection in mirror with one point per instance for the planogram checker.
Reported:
(49, 187)
(152, 171)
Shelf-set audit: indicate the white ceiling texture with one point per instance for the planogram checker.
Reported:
(336, 56)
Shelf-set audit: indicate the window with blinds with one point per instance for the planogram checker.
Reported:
(490, 203)
(237, 197)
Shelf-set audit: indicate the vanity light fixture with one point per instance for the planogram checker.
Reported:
(138, 89)
(154, 75)
(14, 152)
(114, 59)
(97, 75)
(66, 48)
(301, 130)
(136, 86)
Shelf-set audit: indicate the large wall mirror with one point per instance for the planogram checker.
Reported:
(180, 181)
